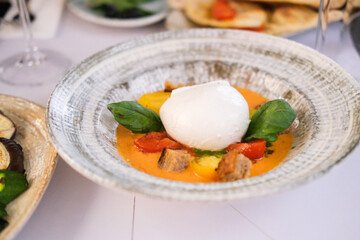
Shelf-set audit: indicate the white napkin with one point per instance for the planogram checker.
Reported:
(47, 16)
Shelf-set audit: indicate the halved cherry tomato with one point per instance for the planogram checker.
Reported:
(252, 150)
(221, 10)
(255, 29)
(155, 142)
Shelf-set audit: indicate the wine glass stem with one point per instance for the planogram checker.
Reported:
(322, 24)
(32, 56)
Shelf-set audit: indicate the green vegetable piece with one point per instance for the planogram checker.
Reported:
(136, 117)
(3, 224)
(3, 212)
(202, 153)
(272, 118)
(12, 184)
(120, 5)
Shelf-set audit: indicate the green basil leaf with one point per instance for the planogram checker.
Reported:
(202, 153)
(136, 117)
(272, 118)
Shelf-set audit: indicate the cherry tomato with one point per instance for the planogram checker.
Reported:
(252, 150)
(155, 142)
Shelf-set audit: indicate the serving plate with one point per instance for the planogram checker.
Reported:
(82, 10)
(40, 159)
(325, 97)
(177, 20)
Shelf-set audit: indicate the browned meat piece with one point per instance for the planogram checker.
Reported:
(169, 86)
(174, 160)
(233, 166)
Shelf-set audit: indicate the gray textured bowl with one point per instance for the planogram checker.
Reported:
(325, 97)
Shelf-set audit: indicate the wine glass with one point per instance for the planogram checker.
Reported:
(350, 39)
(347, 52)
(33, 66)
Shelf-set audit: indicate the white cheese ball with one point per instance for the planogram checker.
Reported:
(207, 116)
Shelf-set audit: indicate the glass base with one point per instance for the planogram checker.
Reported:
(33, 68)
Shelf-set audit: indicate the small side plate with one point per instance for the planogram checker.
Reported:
(159, 7)
(40, 159)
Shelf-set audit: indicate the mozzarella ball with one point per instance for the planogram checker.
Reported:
(207, 116)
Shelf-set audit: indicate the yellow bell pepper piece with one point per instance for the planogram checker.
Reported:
(252, 112)
(205, 166)
(154, 101)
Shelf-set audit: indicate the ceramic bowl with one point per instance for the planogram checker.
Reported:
(40, 159)
(325, 97)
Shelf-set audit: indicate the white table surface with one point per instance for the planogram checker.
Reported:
(74, 207)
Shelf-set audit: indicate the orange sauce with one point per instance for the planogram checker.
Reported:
(147, 162)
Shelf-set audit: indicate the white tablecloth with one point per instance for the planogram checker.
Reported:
(74, 207)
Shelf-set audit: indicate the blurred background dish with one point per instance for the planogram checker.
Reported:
(279, 17)
(143, 13)
(39, 159)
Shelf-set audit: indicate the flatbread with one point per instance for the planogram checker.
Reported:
(249, 15)
(290, 18)
(281, 19)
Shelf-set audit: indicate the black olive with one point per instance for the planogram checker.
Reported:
(11, 156)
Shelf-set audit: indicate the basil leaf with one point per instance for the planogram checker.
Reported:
(272, 118)
(201, 153)
(136, 117)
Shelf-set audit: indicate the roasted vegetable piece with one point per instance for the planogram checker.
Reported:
(253, 150)
(156, 142)
(7, 127)
(12, 184)
(233, 166)
(11, 156)
(174, 160)
(3, 224)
